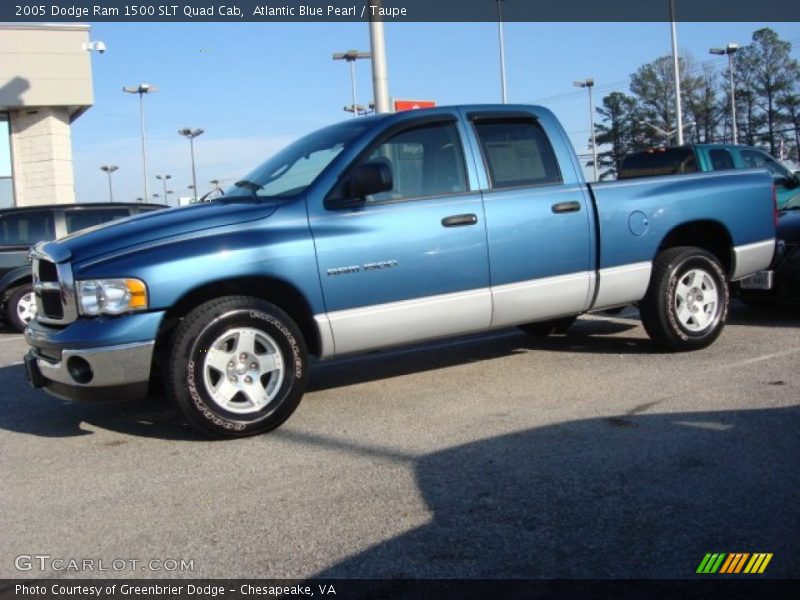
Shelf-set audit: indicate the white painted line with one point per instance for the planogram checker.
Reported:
(14, 364)
(14, 338)
(758, 359)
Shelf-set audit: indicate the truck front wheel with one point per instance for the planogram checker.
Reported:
(687, 301)
(238, 366)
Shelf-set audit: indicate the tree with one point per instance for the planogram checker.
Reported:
(789, 104)
(617, 128)
(767, 73)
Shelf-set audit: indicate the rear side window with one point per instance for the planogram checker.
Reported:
(659, 161)
(517, 153)
(26, 228)
(721, 159)
(89, 217)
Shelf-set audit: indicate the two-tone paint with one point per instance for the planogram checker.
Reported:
(519, 255)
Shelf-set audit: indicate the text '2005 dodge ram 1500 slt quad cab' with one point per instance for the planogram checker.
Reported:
(378, 232)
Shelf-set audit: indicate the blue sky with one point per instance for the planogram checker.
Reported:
(255, 87)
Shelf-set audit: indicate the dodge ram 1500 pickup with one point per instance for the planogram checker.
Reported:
(378, 232)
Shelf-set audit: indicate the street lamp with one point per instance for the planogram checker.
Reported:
(730, 49)
(668, 134)
(190, 134)
(163, 179)
(501, 40)
(109, 169)
(588, 83)
(142, 89)
(351, 56)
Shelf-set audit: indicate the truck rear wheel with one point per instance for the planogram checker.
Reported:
(687, 301)
(238, 366)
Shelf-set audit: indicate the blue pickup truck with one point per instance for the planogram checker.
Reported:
(378, 232)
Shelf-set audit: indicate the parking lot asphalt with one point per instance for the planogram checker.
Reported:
(499, 456)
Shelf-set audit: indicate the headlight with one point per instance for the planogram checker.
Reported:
(111, 296)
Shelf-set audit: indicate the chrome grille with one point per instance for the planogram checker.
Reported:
(54, 290)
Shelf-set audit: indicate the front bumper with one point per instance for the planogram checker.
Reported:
(111, 372)
(93, 359)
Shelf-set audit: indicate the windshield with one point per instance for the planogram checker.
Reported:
(296, 167)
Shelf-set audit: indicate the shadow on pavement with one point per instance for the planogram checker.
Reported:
(773, 316)
(586, 335)
(26, 410)
(637, 496)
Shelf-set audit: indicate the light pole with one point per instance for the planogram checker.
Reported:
(588, 83)
(109, 169)
(190, 134)
(163, 179)
(730, 49)
(501, 40)
(351, 56)
(676, 73)
(380, 73)
(142, 89)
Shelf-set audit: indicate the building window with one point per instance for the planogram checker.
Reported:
(6, 180)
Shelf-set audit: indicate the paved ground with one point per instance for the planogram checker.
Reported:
(588, 455)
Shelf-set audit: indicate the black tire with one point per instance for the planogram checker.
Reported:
(545, 328)
(218, 330)
(18, 307)
(676, 324)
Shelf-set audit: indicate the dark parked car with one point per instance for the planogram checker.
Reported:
(21, 228)
(781, 283)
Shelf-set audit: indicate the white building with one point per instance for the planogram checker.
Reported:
(45, 84)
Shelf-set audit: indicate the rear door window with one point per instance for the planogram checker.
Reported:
(26, 228)
(78, 219)
(517, 153)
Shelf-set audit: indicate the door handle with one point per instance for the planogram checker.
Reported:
(459, 220)
(565, 207)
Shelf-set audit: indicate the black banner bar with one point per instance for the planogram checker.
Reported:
(242, 11)
(703, 587)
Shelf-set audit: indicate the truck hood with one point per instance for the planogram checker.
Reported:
(156, 227)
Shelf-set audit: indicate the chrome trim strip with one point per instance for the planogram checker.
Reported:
(538, 299)
(47, 286)
(622, 285)
(749, 258)
(396, 323)
(111, 365)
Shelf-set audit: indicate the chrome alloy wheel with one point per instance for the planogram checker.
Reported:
(696, 300)
(243, 370)
(26, 307)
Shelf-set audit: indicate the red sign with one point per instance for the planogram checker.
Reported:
(401, 105)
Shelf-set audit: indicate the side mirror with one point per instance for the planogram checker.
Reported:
(370, 178)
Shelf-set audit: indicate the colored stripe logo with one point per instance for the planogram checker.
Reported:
(734, 563)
